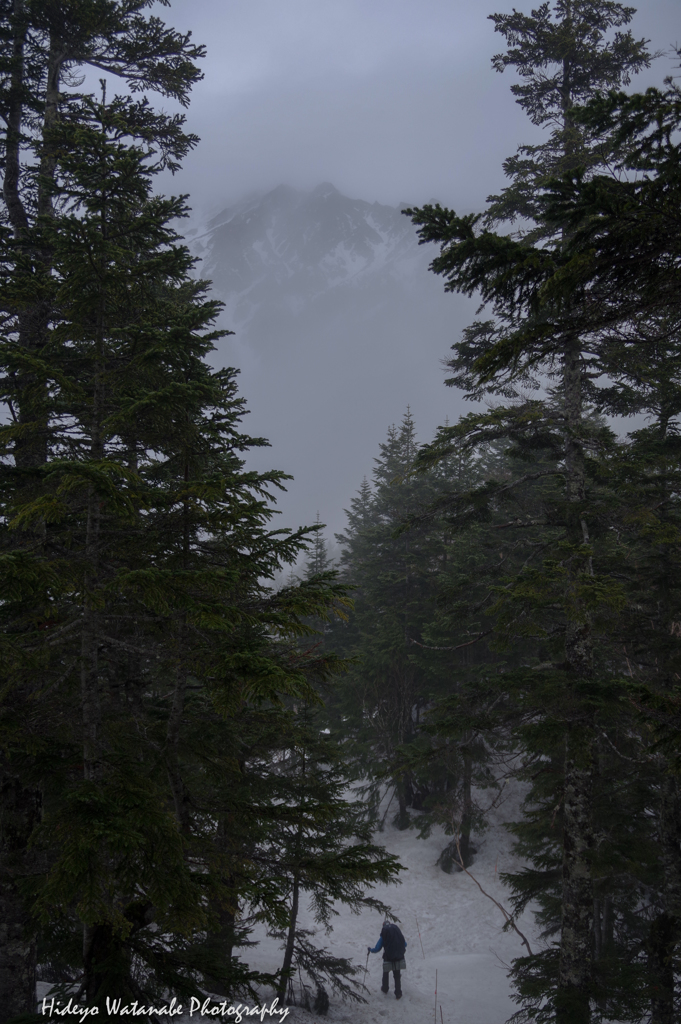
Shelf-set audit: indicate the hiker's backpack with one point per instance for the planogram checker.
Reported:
(394, 945)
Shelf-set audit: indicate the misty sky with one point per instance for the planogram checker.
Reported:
(390, 101)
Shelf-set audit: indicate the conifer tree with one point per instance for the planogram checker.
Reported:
(400, 642)
(317, 560)
(563, 57)
(626, 225)
(140, 623)
(46, 44)
(393, 600)
(42, 46)
(323, 849)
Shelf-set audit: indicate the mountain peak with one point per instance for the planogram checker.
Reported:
(289, 248)
(325, 190)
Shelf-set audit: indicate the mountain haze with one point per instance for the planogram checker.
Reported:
(290, 249)
(338, 327)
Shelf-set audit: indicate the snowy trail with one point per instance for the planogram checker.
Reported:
(460, 928)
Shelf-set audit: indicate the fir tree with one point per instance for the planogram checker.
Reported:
(392, 601)
(317, 560)
(400, 640)
(563, 61)
(637, 314)
(42, 45)
(141, 622)
(322, 848)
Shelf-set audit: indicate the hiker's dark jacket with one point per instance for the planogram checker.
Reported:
(392, 942)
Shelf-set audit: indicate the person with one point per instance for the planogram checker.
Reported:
(394, 946)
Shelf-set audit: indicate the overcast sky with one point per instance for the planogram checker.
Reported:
(390, 100)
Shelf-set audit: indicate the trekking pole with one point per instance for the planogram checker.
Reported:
(420, 939)
(366, 968)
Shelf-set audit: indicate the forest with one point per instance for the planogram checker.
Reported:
(205, 720)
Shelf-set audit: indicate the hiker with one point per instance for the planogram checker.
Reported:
(394, 945)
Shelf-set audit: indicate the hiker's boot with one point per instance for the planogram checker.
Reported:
(398, 985)
(385, 986)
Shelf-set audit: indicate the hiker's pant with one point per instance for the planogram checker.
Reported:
(396, 966)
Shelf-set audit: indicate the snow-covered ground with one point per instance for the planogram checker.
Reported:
(461, 932)
(461, 935)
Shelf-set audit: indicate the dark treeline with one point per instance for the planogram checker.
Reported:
(179, 737)
(163, 783)
(517, 612)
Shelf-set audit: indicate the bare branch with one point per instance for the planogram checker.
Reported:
(458, 647)
(509, 919)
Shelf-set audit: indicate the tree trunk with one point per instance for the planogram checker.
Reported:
(576, 944)
(177, 785)
(467, 809)
(459, 850)
(19, 814)
(15, 110)
(607, 926)
(32, 395)
(223, 941)
(661, 943)
(665, 929)
(602, 938)
(19, 807)
(598, 931)
(574, 981)
(290, 940)
(96, 937)
(89, 649)
(402, 786)
(172, 752)
(48, 159)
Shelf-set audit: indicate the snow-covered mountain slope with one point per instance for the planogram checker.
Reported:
(338, 326)
(292, 248)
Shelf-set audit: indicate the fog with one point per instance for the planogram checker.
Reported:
(390, 102)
